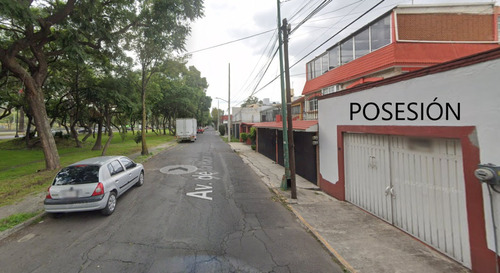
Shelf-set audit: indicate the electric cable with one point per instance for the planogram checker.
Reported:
(337, 33)
(311, 14)
(230, 42)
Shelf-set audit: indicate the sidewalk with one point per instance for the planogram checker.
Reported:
(360, 241)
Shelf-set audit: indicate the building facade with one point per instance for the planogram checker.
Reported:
(405, 39)
(405, 149)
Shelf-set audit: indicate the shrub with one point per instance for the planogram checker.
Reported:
(253, 147)
(253, 134)
(244, 136)
(222, 129)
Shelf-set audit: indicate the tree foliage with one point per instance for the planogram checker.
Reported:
(68, 58)
(61, 52)
(249, 101)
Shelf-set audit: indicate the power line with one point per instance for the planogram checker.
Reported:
(348, 25)
(332, 26)
(311, 14)
(338, 32)
(230, 42)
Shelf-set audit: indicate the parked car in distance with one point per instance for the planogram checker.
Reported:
(93, 184)
(200, 130)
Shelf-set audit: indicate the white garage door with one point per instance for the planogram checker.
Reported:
(414, 183)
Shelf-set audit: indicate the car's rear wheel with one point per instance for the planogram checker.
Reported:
(110, 205)
(140, 182)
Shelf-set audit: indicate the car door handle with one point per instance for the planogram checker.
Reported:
(116, 181)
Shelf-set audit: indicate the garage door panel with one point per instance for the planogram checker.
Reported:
(427, 179)
(367, 162)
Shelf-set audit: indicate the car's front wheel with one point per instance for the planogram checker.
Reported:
(140, 182)
(110, 205)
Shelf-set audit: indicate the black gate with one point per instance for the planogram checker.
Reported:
(267, 142)
(305, 156)
(305, 152)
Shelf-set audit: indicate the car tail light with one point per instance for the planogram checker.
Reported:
(48, 196)
(99, 190)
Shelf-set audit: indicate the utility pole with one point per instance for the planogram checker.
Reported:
(291, 144)
(229, 104)
(284, 182)
(218, 116)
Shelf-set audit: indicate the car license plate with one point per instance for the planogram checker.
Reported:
(70, 194)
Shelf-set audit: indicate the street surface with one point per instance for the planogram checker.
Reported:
(201, 209)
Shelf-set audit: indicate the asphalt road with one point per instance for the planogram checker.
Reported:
(201, 209)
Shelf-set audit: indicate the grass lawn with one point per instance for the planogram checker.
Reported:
(20, 168)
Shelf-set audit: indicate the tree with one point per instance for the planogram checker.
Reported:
(250, 100)
(33, 36)
(163, 28)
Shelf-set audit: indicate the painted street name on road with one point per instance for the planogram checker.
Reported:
(202, 191)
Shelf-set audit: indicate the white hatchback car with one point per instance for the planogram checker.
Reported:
(93, 184)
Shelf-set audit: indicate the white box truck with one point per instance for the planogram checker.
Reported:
(185, 129)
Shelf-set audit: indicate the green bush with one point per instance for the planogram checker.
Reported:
(253, 133)
(244, 137)
(222, 129)
(253, 147)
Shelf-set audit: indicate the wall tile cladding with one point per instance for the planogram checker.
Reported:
(446, 27)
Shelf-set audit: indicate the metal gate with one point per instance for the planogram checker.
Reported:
(417, 184)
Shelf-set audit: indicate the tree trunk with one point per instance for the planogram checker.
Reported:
(110, 131)
(98, 141)
(89, 132)
(76, 116)
(27, 134)
(35, 98)
(21, 119)
(74, 134)
(143, 129)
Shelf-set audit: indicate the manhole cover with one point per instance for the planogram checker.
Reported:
(178, 169)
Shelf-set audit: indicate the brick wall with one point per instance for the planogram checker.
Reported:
(446, 27)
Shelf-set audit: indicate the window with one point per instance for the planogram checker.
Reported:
(317, 68)
(367, 40)
(330, 89)
(362, 43)
(115, 167)
(310, 71)
(380, 33)
(346, 51)
(324, 63)
(296, 110)
(127, 163)
(313, 104)
(333, 55)
(79, 174)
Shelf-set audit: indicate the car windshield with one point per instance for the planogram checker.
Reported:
(78, 174)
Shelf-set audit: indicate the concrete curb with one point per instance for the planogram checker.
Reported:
(6, 233)
(316, 234)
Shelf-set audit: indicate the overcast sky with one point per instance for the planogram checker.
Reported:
(230, 20)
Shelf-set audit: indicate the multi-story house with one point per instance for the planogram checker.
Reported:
(406, 38)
